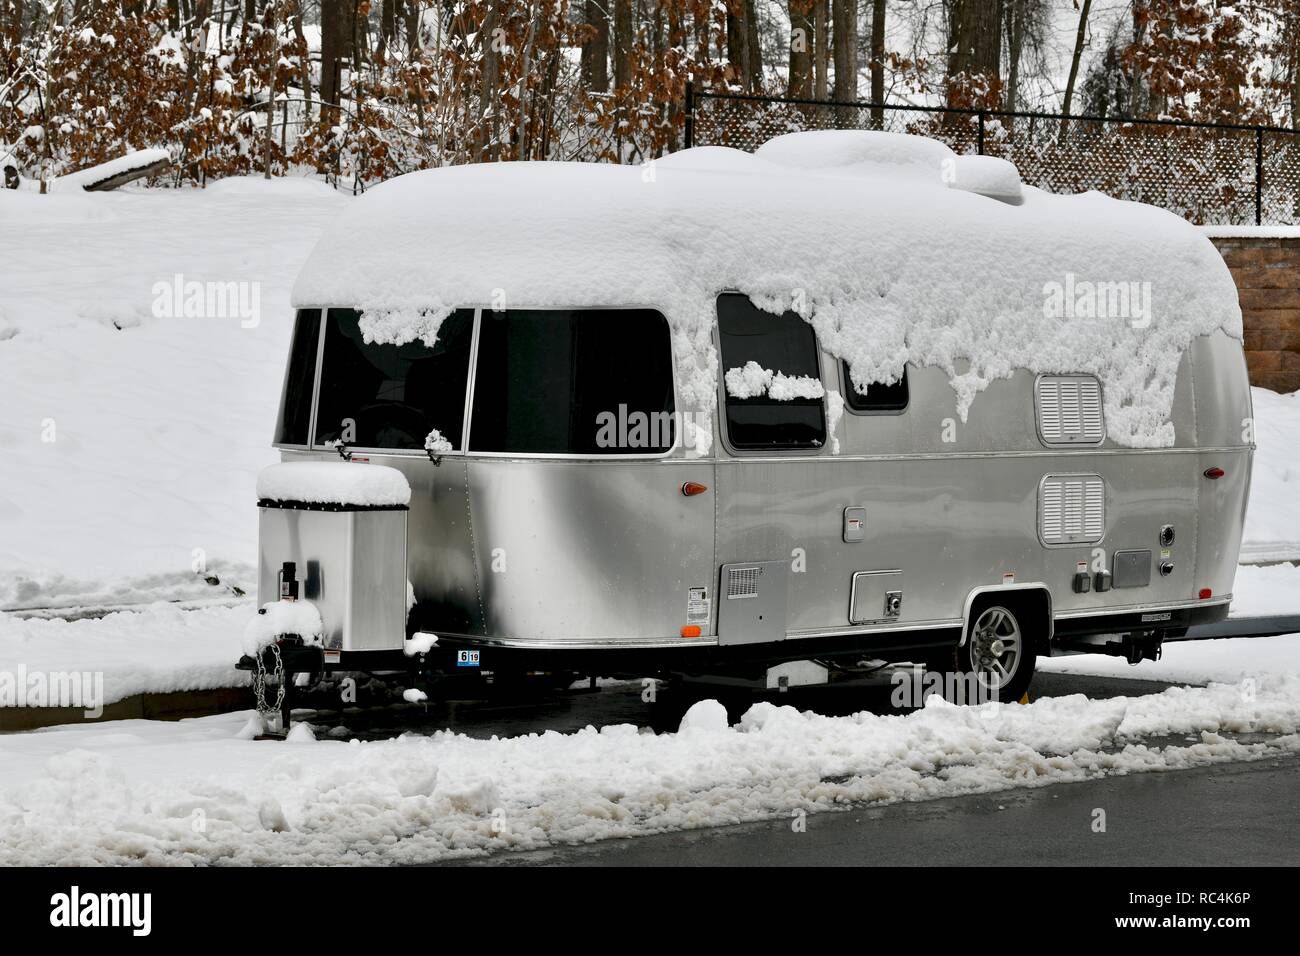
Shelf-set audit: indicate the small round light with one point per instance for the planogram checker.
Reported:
(1205, 593)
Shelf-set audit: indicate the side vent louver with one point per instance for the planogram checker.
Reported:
(1069, 410)
(742, 583)
(1072, 509)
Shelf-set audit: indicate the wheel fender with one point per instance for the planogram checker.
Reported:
(1021, 593)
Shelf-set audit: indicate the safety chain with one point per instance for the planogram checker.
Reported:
(259, 682)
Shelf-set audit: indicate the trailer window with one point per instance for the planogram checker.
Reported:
(784, 344)
(392, 396)
(573, 381)
(879, 397)
(299, 378)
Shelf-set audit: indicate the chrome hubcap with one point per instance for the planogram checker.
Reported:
(995, 647)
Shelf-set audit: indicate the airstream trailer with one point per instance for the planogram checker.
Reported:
(851, 397)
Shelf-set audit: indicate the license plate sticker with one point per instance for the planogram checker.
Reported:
(467, 658)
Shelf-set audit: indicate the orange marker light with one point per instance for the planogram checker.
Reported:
(693, 488)
(691, 630)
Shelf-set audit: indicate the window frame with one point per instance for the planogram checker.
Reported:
(315, 382)
(369, 451)
(846, 384)
(724, 427)
(471, 381)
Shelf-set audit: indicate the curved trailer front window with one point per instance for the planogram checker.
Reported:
(392, 396)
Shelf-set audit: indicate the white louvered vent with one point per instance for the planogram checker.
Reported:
(742, 583)
(1069, 410)
(1072, 509)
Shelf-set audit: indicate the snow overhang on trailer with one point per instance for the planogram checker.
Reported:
(861, 233)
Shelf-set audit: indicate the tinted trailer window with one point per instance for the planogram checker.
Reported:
(780, 343)
(573, 381)
(392, 396)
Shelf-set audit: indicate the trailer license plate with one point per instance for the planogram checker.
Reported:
(467, 658)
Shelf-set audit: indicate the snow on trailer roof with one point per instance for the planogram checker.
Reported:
(882, 241)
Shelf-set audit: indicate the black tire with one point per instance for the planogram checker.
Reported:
(997, 661)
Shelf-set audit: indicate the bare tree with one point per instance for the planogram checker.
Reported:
(821, 48)
(877, 60)
(1079, 36)
(801, 49)
(844, 14)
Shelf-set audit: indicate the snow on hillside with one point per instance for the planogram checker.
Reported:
(130, 440)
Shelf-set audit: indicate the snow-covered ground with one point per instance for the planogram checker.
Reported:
(194, 791)
(130, 440)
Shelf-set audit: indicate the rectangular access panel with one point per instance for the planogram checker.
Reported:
(752, 602)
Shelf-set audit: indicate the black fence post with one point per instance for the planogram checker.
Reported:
(690, 114)
(979, 147)
(1259, 175)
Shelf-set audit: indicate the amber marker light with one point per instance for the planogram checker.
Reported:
(692, 488)
(691, 630)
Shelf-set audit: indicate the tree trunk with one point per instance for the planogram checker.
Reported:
(974, 51)
(595, 52)
(622, 44)
(1068, 101)
(1015, 43)
(753, 49)
(335, 44)
(387, 25)
(844, 13)
(489, 94)
(821, 49)
(305, 66)
(801, 49)
(878, 61)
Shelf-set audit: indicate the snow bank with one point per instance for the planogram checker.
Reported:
(338, 483)
(853, 230)
(1272, 530)
(155, 649)
(192, 792)
(133, 440)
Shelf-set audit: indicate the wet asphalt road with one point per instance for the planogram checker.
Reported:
(1239, 814)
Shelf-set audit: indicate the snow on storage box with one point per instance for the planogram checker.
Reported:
(859, 232)
(336, 483)
(343, 527)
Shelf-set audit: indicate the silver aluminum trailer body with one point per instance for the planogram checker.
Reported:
(565, 553)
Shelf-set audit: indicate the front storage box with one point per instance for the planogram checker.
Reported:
(349, 561)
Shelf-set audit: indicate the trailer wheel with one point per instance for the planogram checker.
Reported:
(998, 654)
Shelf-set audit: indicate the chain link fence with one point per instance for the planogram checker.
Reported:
(1206, 173)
